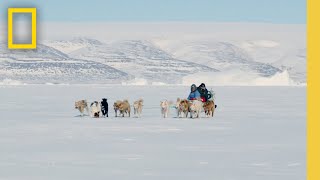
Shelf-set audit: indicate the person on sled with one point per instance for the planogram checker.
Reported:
(204, 93)
(194, 94)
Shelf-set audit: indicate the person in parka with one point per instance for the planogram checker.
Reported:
(204, 93)
(194, 94)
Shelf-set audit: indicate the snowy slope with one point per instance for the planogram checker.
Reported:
(47, 64)
(163, 53)
(187, 61)
(139, 58)
(261, 58)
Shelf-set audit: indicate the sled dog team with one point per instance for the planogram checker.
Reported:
(100, 109)
(123, 108)
(184, 107)
(199, 99)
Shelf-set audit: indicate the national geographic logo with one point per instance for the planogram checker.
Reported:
(11, 28)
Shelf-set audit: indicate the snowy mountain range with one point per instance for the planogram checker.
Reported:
(47, 64)
(154, 61)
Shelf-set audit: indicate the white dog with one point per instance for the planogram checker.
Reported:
(195, 108)
(164, 105)
(137, 106)
(95, 109)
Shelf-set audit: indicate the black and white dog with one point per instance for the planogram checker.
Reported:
(104, 107)
(95, 109)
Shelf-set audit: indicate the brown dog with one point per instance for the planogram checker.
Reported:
(209, 108)
(116, 106)
(184, 107)
(124, 107)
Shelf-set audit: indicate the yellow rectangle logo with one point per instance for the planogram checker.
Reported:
(33, 12)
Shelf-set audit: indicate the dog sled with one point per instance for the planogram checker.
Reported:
(194, 107)
(211, 95)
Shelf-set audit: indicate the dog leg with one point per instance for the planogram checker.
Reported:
(164, 113)
(87, 109)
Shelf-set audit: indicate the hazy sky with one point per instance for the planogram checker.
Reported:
(271, 11)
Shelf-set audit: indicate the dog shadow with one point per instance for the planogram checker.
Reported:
(85, 115)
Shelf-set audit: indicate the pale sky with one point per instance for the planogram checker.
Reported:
(262, 11)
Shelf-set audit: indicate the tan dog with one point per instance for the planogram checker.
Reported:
(209, 108)
(137, 106)
(81, 106)
(177, 107)
(116, 106)
(184, 107)
(124, 107)
(164, 105)
(195, 107)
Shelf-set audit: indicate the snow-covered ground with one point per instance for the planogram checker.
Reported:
(257, 133)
